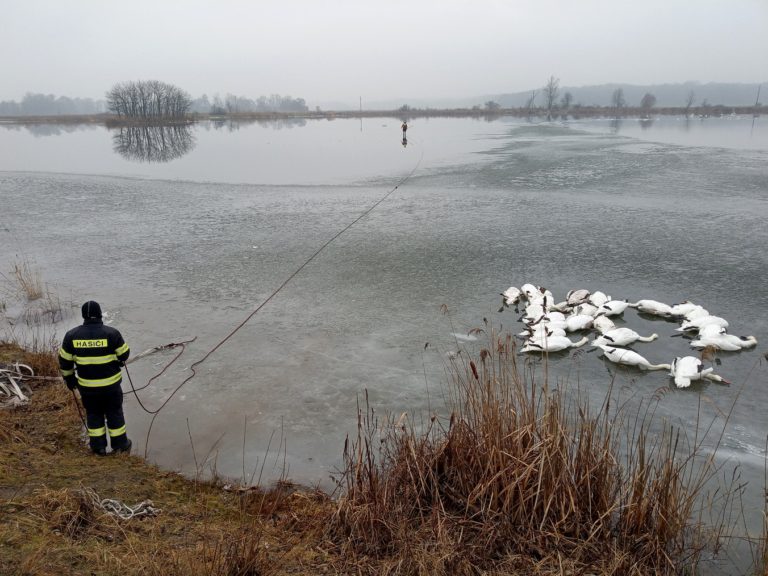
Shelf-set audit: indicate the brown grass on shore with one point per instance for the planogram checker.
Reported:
(523, 480)
(49, 524)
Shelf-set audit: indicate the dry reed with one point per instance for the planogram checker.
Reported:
(28, 279)
(521, 478)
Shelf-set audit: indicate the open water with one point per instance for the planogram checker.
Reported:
(184, 234)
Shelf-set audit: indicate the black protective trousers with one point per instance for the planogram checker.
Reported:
(104, 405)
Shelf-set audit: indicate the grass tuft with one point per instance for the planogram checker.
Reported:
(521, 476)
(28, 279)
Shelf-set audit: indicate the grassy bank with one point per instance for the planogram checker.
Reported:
(49, 524)
(518, 479)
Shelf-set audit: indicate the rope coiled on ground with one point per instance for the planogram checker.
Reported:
(119, 509)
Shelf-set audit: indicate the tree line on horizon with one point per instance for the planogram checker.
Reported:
(49, 105)
(158, 100)
(149, 100)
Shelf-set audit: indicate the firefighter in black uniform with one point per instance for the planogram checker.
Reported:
(91, 358)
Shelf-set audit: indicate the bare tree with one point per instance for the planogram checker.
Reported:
(492, 106)
(148, 100)
(617, 100)
(566, 100)
(689, 102)
(530, 104)
(551, 88)
(648, 101)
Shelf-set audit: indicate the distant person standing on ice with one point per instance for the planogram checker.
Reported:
(91, 359)
(404, 127)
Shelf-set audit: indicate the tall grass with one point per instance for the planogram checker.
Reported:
(24, 284)
(28, 279)
(526, 478)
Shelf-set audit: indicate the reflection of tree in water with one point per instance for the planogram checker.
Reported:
(41, 130)
(153, 143)
(274, 123)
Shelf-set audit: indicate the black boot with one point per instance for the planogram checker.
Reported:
(124, 449)
(99, 451)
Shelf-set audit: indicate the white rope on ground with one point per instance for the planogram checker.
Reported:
(10, 376)
(119, 509)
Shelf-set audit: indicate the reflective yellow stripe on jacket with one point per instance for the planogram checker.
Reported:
(100, 382)
(83, 360)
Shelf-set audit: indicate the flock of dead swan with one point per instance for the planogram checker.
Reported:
(547, 324)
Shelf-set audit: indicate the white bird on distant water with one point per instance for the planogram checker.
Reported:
(543, 297)
(630, 358)
(578, 322)
(621, 337)
(533, 313)
(511, 295)
(586, 308)
(553, 344)
(612, 308)
(539, 331)
(603, 324)
(653, 307)
(698, 323)
(528, 290)
(727, 342)
(598, 298)
(684, 307)
(575, 297)
(689, 368)
(553, 316)
(711, 330)
(697, 312)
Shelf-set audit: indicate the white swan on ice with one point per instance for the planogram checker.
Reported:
(727, 342)
(689, 368)
(631, 358)
(621, 337)
(613, 308)
(578, 322)
(553, 344)
(602, 324)
(653, 307)
(697, 323)
(511, 295)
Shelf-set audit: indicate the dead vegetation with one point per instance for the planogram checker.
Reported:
(520, 479)
(24, 287)
(524, 479)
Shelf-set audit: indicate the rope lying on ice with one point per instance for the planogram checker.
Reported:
(277, 290)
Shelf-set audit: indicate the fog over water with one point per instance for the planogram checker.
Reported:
(190, 247)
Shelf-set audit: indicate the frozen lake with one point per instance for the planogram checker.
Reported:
(191, 246)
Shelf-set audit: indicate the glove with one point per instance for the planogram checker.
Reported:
(71, 382)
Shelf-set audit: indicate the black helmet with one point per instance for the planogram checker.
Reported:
(91, 309)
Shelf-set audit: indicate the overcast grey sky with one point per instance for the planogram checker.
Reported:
(340, 50)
